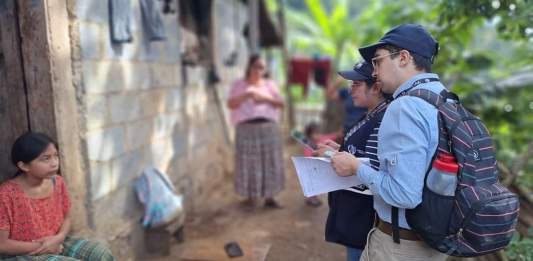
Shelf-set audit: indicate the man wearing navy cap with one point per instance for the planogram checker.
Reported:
(408, 138)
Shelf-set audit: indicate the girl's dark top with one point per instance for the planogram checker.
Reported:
(351, 215)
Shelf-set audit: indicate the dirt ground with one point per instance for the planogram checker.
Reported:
(295, 232)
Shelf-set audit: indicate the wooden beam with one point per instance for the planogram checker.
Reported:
(13, 113)
(65, 109)
(253, 25)
(35, 57)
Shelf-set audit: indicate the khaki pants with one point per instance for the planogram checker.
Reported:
(380, 247)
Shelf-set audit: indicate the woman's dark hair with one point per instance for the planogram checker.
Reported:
(29, 146)
(253, 58)
(370, 82)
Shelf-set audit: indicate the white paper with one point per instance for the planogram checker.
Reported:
(316, 176)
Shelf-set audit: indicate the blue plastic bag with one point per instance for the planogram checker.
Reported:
(158, 195)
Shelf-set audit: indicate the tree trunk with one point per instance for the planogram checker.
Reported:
(334, 112)
(285, 55)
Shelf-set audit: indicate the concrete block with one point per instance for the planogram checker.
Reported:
(114, 76)
(150, 51)
(124, 107)
(127, 167)
(172, 47)
(101, 77)
(90, 40)
(193, 138)
(179, 145)
(117, 212)
(173, 100)
(102, 180)
(196, 104)
(196, 76)
(164, 75)
(141, 76)
(139, 133)
(97, 111)
(152, 102)
(103, 145)
(165, 125)
(93, 11)
(161, 153)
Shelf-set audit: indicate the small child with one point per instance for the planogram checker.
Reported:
(35, 208)
(313, 135)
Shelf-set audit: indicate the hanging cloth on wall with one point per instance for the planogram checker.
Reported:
(322, 71)
(300, 70)
(153, 25)
(120, 21)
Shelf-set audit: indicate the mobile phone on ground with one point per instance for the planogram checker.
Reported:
(233, 249)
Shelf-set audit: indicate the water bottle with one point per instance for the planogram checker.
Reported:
(442, 178)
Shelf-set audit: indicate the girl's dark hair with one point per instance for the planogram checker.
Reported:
(311, 128)
(29, 146)
(253, 58)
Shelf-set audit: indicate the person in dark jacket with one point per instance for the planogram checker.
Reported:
(351, 214)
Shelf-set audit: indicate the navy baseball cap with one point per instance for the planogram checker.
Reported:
(412, 37)
(362, 71)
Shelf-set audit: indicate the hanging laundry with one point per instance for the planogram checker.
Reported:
(300, 70)
(153, 25)
(120, 20)
(322, 71)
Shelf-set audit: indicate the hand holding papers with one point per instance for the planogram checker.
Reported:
(316, 176)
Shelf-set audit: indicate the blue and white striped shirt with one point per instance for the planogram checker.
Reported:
(408, 138)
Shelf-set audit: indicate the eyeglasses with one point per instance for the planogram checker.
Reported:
(375, 60)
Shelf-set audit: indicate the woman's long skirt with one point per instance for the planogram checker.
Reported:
(259, 168)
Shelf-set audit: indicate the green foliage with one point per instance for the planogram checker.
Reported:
(508, 114)
(514, 16)
(322, 31)
(481, 43)
(521, 248)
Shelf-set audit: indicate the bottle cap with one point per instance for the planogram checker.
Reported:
(446, 163)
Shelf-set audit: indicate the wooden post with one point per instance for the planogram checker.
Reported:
(52, 104)
(253, 11)
(36, 63)
(13, 113)
(285, 55)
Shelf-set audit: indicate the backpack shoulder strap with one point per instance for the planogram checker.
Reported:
(433, 98)
(436, 100)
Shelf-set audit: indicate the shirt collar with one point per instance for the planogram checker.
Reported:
(407, 84)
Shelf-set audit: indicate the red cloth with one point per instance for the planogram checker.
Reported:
(29, 219)
(300, 71)
(302, 68)
(322, 71)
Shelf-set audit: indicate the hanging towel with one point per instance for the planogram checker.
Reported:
(120, 21)
(152, 20)
(322, 70)
(300, 72)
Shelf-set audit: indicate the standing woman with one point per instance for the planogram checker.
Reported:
(255, 104)
(351, 214)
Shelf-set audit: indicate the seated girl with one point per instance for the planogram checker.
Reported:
(35, 207)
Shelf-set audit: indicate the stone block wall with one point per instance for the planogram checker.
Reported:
(137, 111)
